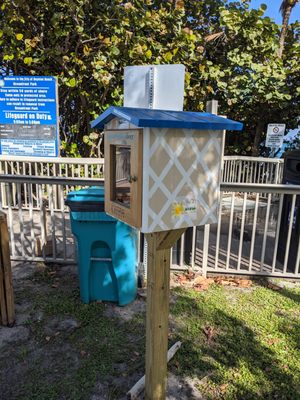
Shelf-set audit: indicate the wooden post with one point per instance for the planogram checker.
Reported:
(158, 291)
(7, 306)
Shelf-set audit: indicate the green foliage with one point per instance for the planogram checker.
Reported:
(71, 149)
(230, 53)
(294, 144)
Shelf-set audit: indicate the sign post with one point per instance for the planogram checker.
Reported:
(157, 317)
(29, 116)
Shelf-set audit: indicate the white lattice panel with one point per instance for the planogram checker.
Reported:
(181, 174)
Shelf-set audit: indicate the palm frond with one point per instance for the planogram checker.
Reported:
(286, 4)
(213, 36)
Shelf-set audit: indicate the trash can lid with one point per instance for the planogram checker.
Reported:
(86, 200)
(89, 195)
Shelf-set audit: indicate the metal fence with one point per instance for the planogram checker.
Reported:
(40, 231)
(44, 167)
(255, 233)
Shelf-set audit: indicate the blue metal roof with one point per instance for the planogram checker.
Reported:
(144, 117)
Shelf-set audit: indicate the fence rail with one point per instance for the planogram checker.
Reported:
(235, 168)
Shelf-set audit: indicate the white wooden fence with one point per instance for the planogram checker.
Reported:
(248, 239)
(241, 169)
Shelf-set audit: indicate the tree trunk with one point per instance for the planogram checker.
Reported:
(285, 24)
(257, 138)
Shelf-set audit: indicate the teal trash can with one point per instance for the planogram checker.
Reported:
(107, 249)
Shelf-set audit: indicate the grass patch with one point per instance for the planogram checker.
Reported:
(247, 342)
(67, 365)
(240, 344)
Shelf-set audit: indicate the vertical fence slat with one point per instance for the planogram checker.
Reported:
(277, 232)
(247, 172)
(14, 187)
(263, 251)
(297, 265)
(239, 171)
(43, 221)
(55, 190)
(194, 237)
(259, 180)
(253, 231)
(232, 172)
(32, 235)
(235, 169)
(280, 173)
(242, 231)
(34, 187)
(182, 250)
(268, 180)
(264, 173)
(10, 218)
(218, 231)
(52, 219)
(250, 180)
(21, 220)
(224, 171)
(288, 241)
(63, 222)
(25, 185)
(230, 230)
(205, 249)
(255, 172)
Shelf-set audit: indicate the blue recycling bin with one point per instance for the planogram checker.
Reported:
(107, 249)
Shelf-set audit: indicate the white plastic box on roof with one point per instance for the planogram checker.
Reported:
(160, 87)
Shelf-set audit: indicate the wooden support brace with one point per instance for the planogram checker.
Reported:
(7, 306)
(136, 390)
(158, 291)
(3, 311)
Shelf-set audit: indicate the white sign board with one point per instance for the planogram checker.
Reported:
(275, 135)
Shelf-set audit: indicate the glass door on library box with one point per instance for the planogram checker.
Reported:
(123, 175)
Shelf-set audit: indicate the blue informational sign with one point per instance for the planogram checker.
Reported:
(29, 116)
